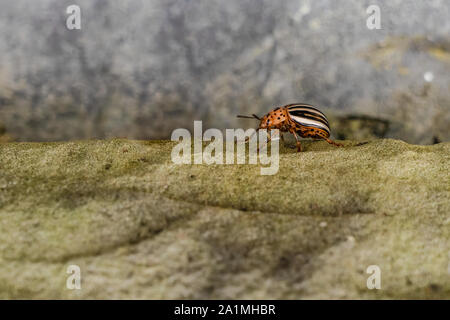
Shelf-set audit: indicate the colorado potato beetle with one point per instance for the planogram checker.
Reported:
(300, 119)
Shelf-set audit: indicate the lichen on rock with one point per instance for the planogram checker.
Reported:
(140, 226)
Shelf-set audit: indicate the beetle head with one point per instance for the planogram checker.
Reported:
(265, 122)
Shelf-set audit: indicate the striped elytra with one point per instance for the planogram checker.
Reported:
(300, 119)
(306, 116)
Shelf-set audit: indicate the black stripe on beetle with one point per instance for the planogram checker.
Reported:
(310, 115)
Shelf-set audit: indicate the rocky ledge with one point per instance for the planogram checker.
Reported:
(140, 226)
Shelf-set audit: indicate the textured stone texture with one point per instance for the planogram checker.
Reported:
(139, 69)
(140, 226)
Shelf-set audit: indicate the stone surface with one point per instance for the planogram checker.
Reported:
(140, 69)
(140, 226)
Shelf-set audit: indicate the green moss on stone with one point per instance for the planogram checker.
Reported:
(140, 226)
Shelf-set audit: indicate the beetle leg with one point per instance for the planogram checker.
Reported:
(249, 137)
(282, 139)
(299, 146)
(333, 143)
(268, 140)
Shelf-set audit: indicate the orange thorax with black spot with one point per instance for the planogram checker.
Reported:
(276, 119)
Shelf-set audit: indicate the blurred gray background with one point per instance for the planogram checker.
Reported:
(140, 69)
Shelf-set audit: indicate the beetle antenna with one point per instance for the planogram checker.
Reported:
(249, 117)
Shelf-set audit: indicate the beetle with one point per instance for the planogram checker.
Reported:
(300, 119)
